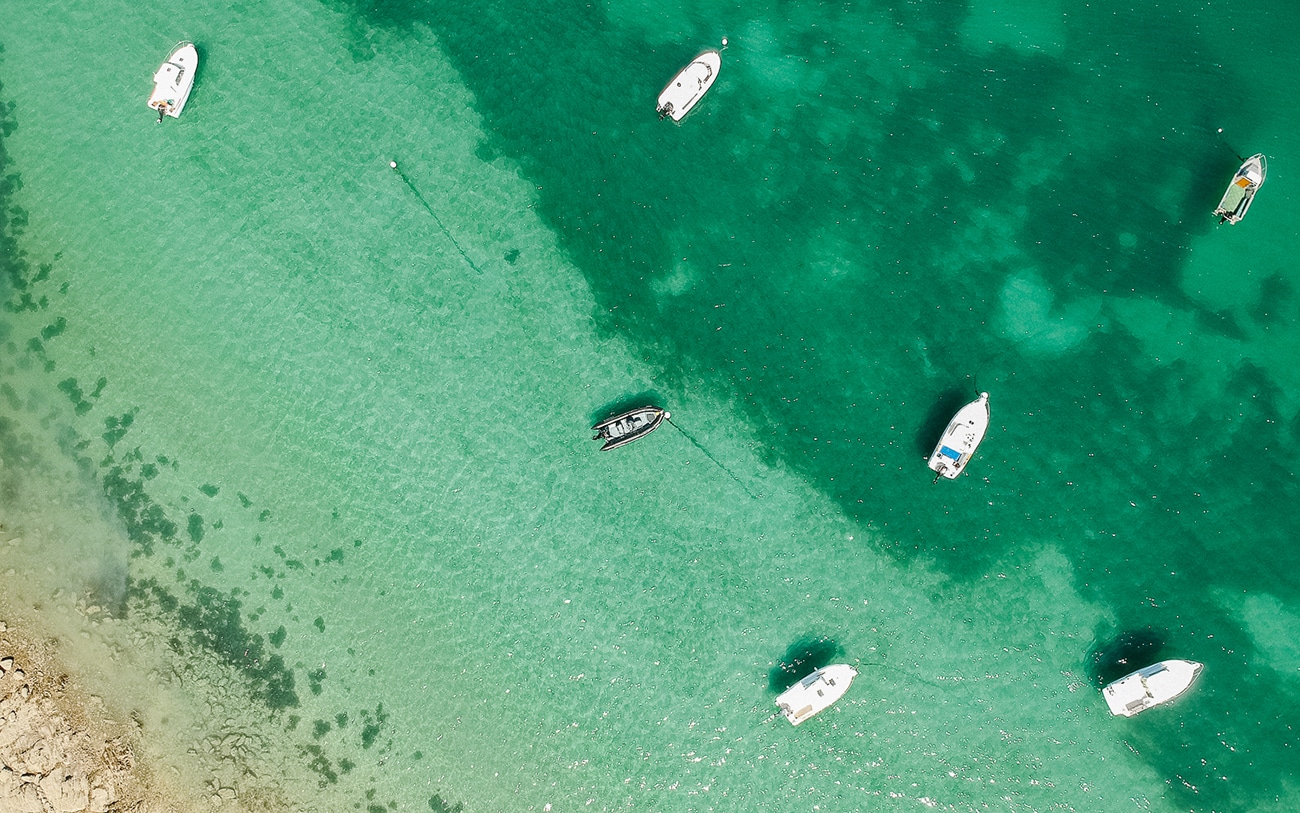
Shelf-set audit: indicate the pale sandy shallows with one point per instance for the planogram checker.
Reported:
(60, 752)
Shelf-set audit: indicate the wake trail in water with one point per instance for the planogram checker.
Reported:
(698, 445)
(436, 219)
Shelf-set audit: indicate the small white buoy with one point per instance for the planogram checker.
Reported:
(1221, 129)
(724, 42)
(393, 164)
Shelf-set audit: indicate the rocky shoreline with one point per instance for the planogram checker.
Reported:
(60, 751)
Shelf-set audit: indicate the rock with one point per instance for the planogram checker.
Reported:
(232, 746)
(9, 784)
(6, 664)
(66, 791)
(26, 799)
(41, 757)
(16, 739)
(100, 800)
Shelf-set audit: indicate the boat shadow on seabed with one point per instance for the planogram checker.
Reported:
(937, 418)
(803, 657)
(1111, 659)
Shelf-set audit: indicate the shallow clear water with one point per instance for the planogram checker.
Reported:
(315, 432)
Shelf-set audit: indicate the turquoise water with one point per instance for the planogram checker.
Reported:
(301, 443)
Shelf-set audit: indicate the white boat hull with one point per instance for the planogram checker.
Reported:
(816, 692)
(173, 81)
(686, 89)
(960, 440)
(1241, 192)
(1150, 686)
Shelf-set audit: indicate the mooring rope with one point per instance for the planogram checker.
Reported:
(697, 445)
(436, 219)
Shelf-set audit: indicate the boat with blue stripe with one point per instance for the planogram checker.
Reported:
(960, 439)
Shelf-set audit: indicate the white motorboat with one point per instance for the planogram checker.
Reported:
(689, 85)
(1150, 686)
(173, 81)
(631, 425)
(816, 692)
(961, 438)
(1241, 192)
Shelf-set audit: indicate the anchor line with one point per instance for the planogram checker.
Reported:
(436, 219)
(699, 446)
(1230, 147)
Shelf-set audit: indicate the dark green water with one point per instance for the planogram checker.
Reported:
(336, 415)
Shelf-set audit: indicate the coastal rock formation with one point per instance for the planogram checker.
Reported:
(58, 753)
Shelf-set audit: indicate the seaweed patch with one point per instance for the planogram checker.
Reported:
(213, 622)
(372, 725)
(146, 522)
(321, 765)
(81, 402)
(116, 428)
(53, 329)
(440, 805)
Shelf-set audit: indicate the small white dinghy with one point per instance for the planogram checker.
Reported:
(961, 438)
(1150, 686)
(689, 85)
(173, 80)
(1241, 192)
(816, 692)
(631, 425)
